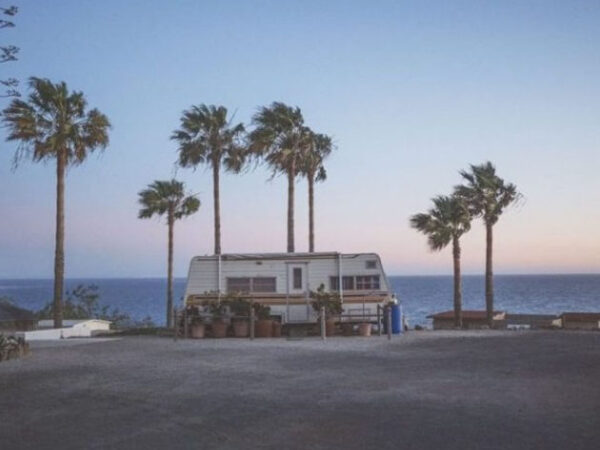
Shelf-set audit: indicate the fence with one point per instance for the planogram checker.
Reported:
(383, 316)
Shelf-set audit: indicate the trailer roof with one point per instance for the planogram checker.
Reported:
(274, 256)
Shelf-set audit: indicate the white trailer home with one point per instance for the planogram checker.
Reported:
(283, 281)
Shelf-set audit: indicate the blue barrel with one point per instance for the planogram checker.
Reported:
(396, 319)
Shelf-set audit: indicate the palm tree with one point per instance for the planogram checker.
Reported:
(280, 137)
(167, 197)
(54, 123)
(446, 222)
(319, 147)
(207, 136)
(487, 196)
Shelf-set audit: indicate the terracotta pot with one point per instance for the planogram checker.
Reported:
(198, 331)
(276, 330)
(263, 328)
(241, 328)
(330, 327)
(364, 329)
(219, 328)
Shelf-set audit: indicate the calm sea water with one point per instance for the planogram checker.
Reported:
(420, 296)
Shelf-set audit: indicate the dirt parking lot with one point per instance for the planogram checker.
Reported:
(425, 390)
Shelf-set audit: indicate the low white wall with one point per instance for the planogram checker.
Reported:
(79, 329)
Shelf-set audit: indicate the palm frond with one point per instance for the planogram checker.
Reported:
(449, 218)
(207, 136)
(166, 197)
(485, 193)
(52, 119)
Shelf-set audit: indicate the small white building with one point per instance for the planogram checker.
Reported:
(283, 281)
(71, 329)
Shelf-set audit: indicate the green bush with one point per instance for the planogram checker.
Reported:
(330, 301)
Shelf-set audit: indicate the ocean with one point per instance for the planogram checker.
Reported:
(419, 295)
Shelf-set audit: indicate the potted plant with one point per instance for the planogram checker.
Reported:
(276, 331)
(330, 303)
(364, 329)
(220, 312)
(264, 325)
(196, 322)
(197, 328)
(240, 309)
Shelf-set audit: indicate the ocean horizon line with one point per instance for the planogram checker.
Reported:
(183, 277)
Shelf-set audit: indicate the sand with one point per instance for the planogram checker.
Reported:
(425, 390)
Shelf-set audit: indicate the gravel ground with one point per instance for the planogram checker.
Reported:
(425, 390)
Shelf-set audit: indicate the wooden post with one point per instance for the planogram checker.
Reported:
(389, 322)
(251, 324)
(185, 324)
(379, 321)
(175, 324)
(323, 330)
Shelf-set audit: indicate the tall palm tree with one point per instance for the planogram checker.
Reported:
(446, 222)
(53, 123)
(318, 147)
(167, 197)
(280, 137)
(208, 136)
(487, 196)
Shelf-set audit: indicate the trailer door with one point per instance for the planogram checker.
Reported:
(298, 304)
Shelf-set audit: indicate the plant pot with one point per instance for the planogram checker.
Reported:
(241, 328)
(364, 329)
(197, 330)
(276, 329)
(330, 327)
(263, 328)
(219, 328)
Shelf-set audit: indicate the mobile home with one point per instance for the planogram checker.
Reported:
(283, 281)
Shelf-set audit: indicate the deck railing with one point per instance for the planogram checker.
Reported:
(383, 316)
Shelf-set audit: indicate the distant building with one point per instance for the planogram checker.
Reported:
(472, 320)
(72, 329)
(532, 321)
(580, 321)
(13, 318)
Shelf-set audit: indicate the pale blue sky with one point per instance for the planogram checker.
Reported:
(411, 92)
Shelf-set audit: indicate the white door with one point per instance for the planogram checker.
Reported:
(298, 307)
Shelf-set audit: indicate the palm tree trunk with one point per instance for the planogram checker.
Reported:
(311, 213)
(59, 251)
(489, 276)
(290, 211)
(458, 322)
(217, 205)
(171, 223)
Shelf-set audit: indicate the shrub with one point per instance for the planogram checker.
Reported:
(330, 301)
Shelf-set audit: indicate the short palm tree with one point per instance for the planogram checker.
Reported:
(208, 136)
(167, 197)
(53, 123)
(487, 196)
(318, 147)
(279, 137)
(445, 223)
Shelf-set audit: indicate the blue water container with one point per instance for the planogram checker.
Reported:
(396, 319)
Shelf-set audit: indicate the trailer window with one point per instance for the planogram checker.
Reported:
(297, 278)
(238, 285)
(264, 284)
(347, 283)
(371, 264)
(367, 282)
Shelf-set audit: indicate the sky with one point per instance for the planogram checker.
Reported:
(411, 92)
